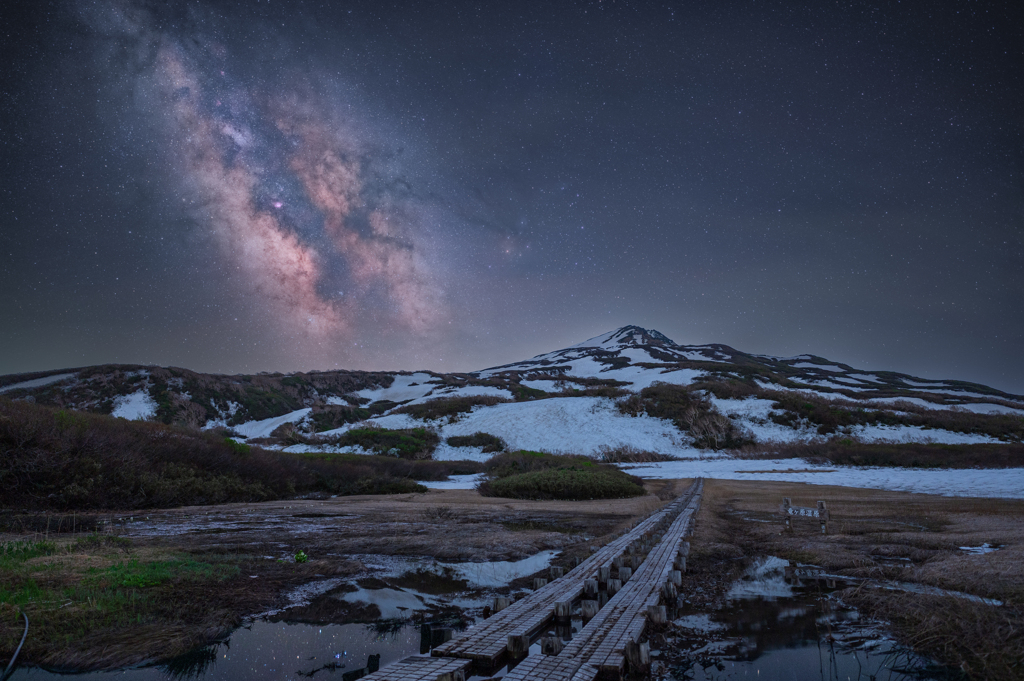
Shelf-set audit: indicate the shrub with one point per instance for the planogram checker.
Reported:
(630, 454)
(448, 407)
(409, 443)
(489, 443)
(336, 416)
(66, 460)
(538, 475)
(565, 483)
(830, 415)
(690, 410)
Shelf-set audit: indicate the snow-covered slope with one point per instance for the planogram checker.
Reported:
(566, 400)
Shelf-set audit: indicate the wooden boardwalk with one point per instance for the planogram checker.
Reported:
(605, 643)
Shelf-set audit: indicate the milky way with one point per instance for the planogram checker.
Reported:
(281, 185)
(240, 185)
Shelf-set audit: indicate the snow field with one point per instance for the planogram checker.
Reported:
(995, 483)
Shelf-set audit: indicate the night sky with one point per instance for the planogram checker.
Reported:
(239, 187)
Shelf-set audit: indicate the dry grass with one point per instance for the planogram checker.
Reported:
(870, 526)
(168, 619)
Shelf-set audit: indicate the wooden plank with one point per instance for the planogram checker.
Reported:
(423, 669)
(603, 639)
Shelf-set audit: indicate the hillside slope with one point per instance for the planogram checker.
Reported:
(628, 388)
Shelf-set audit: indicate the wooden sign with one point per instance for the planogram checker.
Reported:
(789, 511)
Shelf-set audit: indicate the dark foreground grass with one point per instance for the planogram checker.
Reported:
(984, 641)
(74, 592)
(537, 475)
(55, 460)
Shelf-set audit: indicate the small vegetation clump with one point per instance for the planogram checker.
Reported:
(336, 416)
(690, 410)
(630, 454)
(450, 408)
(489, 443)
(409, 443)
(537, 475)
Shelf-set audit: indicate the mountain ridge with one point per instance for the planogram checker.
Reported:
(605, 369)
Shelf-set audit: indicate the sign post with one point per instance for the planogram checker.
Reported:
(789, 511)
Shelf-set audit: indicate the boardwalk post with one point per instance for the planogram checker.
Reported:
(550, 645)
(669, 592)
(608, 646)
(500, 603)
(786, 503)
(518, 645)
(823, 517)
(684, 551)
(556, 572)
(656, 614)
(539, 583)
(638, 657)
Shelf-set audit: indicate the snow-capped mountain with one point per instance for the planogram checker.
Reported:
(631, 387)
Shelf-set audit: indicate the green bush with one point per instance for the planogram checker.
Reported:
(565, 483)
(409, 443)
(336, 416)
(538, 475)
(489, 443)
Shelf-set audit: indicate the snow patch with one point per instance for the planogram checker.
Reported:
(37, 382)
(401, 388)
(267, 426)
(138, 406)
(822, 367)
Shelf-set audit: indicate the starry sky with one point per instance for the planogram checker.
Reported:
(250, 186)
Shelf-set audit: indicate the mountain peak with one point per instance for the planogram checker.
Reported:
(628, 336)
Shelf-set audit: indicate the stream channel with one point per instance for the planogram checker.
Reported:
(768, 630)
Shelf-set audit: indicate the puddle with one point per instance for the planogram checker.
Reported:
(269, 651)
(773, 629)
(984, 548)
(501, 572)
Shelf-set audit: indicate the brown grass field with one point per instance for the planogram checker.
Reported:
(92, 604)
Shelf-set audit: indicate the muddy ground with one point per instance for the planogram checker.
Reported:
(250, 549)
(887, 545)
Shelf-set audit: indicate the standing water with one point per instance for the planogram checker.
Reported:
(772, 630)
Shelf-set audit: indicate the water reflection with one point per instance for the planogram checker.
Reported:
(268, 651)
(773, 630)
